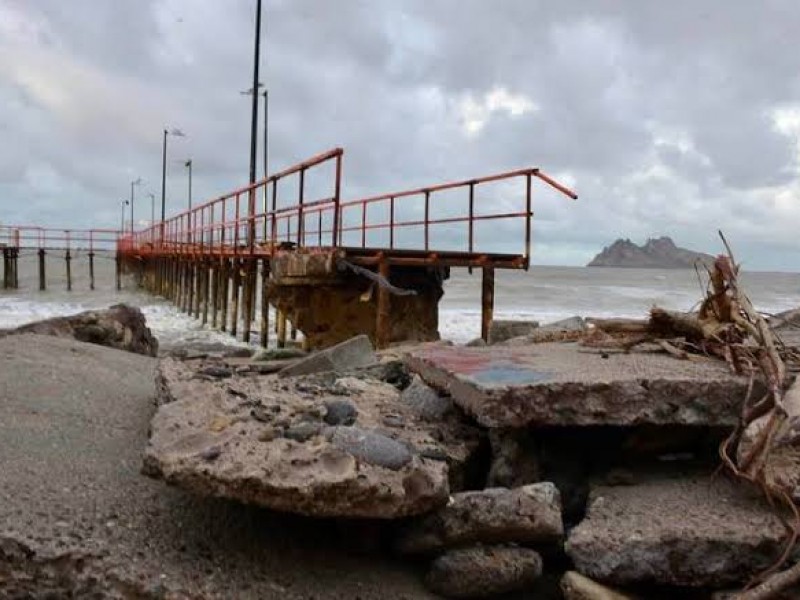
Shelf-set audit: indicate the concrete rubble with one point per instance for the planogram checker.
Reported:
(350, 354)
(325, 446)
(484, 571)
(526, 515)
(477, 461)
(78, 520)
(122, 327)
(502, 330)
(680, 530)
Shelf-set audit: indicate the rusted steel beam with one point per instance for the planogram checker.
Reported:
(281, 324)
(91, 270)
(68, 260)
(42, 282)
(383, 325)
(236, 281)
(264, 303)
(487, 301)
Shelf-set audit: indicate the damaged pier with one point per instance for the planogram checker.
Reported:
(331, 269)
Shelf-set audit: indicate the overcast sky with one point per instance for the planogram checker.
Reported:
(668, 118)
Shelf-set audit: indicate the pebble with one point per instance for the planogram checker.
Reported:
(340, 412)
(371, 447)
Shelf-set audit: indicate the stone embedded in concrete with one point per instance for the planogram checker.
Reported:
(530, 514)
(567, 384)
(272, 447)
(697, 531)
(371, 447)
(575, 586)
(502, 330)
(484, 571)
(121, 326)
(426, 401)
(351, 354)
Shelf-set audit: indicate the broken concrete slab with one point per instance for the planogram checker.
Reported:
(121, 326)
(567, 384)
(78, 520)
(501, 330)
(265, 441)
(525, 515)
(484, 571)
(680, 530)
(351, 354)
(575, 586)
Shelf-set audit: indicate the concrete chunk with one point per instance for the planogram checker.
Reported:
(529, 514)
(502, 330)
(355, 353)
(267, 441)
(483, 572)
(687, 531)
(567, 384)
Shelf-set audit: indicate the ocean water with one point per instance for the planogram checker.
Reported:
(543, 293)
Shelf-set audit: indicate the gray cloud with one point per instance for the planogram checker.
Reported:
(660, 114)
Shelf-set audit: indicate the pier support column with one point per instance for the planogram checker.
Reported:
(383, 327)
(117, 271)
(236, 280)
(487, 301)
(281, 325)
(214, 294)
(265, 303)
(68, 259)
(42, 280)
(205, 268)
(91, 271)
(224, 283)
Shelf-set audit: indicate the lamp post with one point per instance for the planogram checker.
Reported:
(134, 183)
(254, 124)
(188, 165)
(176, 133)
(122, 218)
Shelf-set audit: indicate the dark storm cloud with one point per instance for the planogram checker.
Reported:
(662, 115)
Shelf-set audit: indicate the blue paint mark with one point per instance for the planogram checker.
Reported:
(508, 374)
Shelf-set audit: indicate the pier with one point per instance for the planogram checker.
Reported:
(330, 268)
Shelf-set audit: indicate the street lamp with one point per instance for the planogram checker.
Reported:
(188, 165)
(122, 219)
(175, 133)
(134, 183)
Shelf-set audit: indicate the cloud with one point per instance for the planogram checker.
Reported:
(673, 119)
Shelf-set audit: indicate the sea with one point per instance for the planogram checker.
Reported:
(544, 294)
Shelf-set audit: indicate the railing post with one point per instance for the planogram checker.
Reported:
(363, 224)
(471, 215)
(337, 233)
(528, 215)
(300, 215)
(391, 223)
(427, 216)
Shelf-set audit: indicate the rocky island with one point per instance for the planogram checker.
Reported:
(658, 253)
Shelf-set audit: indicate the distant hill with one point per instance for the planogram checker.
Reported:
(660, 253)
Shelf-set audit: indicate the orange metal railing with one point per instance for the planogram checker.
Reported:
(232, 225)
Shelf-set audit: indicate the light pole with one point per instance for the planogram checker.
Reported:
(134, 183)
(122, 218)
(176, 133)
(188, 165)
(254, 124)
